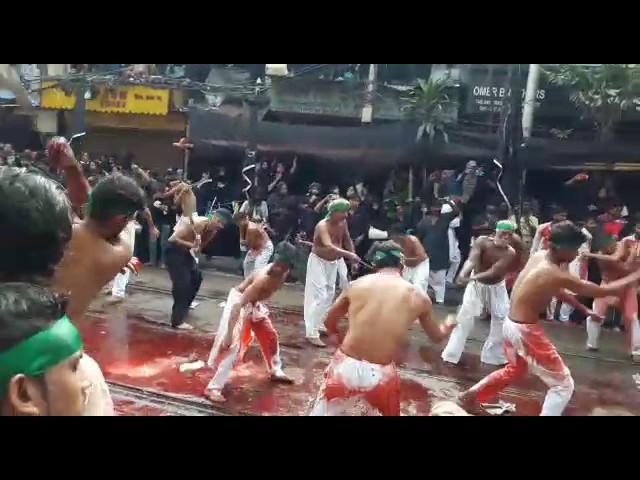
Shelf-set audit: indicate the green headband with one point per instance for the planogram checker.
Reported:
(505, 226)
(380, 255)
(339, 205)
(37, 354)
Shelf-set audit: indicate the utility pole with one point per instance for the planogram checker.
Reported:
(530, 100)
(367, 109)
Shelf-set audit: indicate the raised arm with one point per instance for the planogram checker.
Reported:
(61, 155)
(588, 289)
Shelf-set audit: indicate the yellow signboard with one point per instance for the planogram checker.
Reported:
(121, 99)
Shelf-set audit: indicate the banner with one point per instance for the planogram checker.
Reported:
(121, 99)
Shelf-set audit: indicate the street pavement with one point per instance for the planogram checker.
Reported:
(140, 356)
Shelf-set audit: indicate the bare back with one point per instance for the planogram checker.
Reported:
(260, 285)
(255, 236)
(378, 324)
(89, 263)
(537, 284)
(337, 233)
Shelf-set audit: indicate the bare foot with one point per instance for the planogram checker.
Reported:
(194, 305)
(316, 342)
(592, 349)
(215, 396)
(281, 377)
(467, 400)
(184, 326)
(115, 299)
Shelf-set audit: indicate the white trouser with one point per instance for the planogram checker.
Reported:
(99, 403)
(255, 261)
(121, 280)
(566, 310)
(455, 260)
(319, 291)
(418, 275)
(343, 275)
(479, 298)
(437, 280)
(627, 304)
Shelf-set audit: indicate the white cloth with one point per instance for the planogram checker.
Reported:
(343, 275)
(478, 299)
(254, 261)
(319, 291)
(455, 256)
(418, 276)
(99, 402)
(437, 280)
(121, 280)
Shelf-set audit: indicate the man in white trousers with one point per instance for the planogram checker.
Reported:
(259, 246)
(455, 256)
(244, 316)
(331, 243)
(484, 273)
(617, 260)
(416, 260)
(526, 345)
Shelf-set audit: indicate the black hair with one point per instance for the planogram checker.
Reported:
(116, 195)
(566, 235)
(388, 261)
(239, 216)
(558, 209)
(36, 221)
(25, 310)
(397, 229)
(286, 249)
(224, 214)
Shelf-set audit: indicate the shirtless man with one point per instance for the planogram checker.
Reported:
(416, 260)
(246, 315)
(181, 261)
(490, 260)
(362, 379)
(331, 245)
(257, 242)
(526, 345)
(616, 262)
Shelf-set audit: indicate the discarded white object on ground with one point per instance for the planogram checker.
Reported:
(191, 367)
(500, 408)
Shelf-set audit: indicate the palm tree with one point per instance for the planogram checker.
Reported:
(427, 103)
(601, 93)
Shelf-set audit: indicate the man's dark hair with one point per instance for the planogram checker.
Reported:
(389, 260)
(239, 216)
(35, 216)
(558, 209)
(25, 310)
(115, 195)
(566, 235)
(397, 229)
(287, 250)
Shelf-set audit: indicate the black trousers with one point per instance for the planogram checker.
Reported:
(186, 279)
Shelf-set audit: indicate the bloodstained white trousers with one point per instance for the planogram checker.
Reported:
(478, 299)
(418, 276)
(254, 320)
(319, 292)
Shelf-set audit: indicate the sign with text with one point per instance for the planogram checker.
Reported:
(490, 98)
(123, 99)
